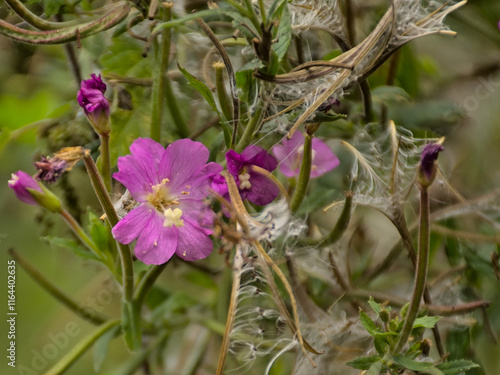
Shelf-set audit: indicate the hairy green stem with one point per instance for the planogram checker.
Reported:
(78, 231)
(304, 175)
(254, 124)
(93, 317)
(105, 161)
(77, 351)
(421, 269)
(159, 78)
(147, 282)
(106, 204)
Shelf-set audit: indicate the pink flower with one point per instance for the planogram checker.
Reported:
(20, 183)
(252, 185)
(290, 152)
(170, 185)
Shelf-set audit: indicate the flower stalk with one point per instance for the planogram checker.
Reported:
(304, 175)
(427, 171)
(93, 317)
(80, 233)
(105, 161)
(107, 206)
(81, 348)
(159, 80)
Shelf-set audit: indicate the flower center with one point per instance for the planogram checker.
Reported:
(173, 217)
(244, 178)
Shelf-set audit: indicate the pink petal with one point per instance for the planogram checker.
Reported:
(156, 244)
(197, 186)
(287, 154)
(139, 171)
(194, 243)
(131, 226)
(324, 158)
(182, 159)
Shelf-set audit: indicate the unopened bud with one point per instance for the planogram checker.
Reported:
(428, 164)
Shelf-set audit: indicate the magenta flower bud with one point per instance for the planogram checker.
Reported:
(20, 183)
(91, 98)
(29, 191)
(428, 164)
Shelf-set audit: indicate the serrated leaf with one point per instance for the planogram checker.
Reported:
(375, 368)
(207, 94)
(363, 363)
(426, 322)
(374, 305)
(101, 347)
(411, 364)
(284, 34)
(368, 323)
(67, 244)
(201, 88)
(456, 367)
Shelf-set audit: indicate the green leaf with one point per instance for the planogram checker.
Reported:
(201, 279)
(68, 244)
(124, 57)
(411, 364)
(388, 94)
(375, 368)
(101, 347)
(98, 232)
(284, 34)
(456, 367)
(374, 305)
(457, 342)
(207, 94)
(368, 323)
(426, 322)
(363, 363)
(51, 7)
